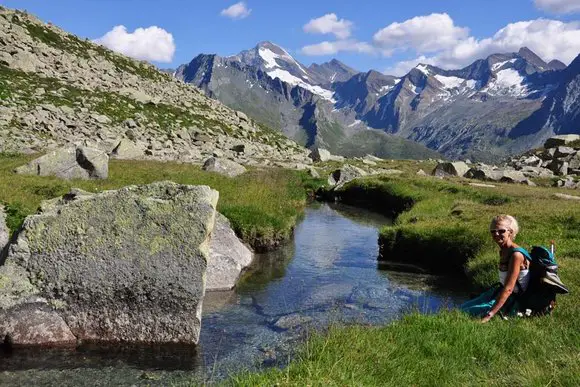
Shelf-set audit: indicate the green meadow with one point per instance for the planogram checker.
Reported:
(443, 225)
(440, 224)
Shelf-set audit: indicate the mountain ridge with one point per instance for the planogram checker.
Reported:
(424, 105)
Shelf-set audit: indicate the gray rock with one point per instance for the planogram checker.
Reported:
(320, 155)
(457, 168)
(344, 174)
(35, 323)
(228, 256)
(223, 167)
(482, 185)
(421, 172)
(70, 163)
(127, 150)
(313, 172)
(560, 140)
(512, 176)
(4, 231)
(564, 151)
(125, 265)
(484, 172)
(242, 116)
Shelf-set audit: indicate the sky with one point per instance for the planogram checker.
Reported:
(384, 35)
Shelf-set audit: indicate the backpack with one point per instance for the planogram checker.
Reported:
(540, 296)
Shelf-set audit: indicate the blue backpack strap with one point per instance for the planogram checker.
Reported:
(523, 251)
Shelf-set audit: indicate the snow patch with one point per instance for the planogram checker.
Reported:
(285, 76)
(508, 81)
(269, 57)
(450, 82)
(423, 68)
(501, 64)
(356, 122)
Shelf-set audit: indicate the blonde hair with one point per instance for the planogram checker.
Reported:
(509, 220)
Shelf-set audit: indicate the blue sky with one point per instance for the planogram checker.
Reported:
(448, 33)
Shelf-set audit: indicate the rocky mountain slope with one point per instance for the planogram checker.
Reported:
(481, 111)
(58, 90)
(272, 87)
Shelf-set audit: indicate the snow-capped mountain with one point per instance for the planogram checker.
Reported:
(476, 111)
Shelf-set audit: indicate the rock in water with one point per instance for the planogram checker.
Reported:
(125, 265)
(228, 257)
(70, 163)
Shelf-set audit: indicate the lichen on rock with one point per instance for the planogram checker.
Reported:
(123, 265)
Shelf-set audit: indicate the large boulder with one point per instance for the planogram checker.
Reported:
(126, 265)
(564, 139)
(457, 168)
(223, 167)
(127, 150)
(344, 174)
(70, 163)
(320, 154)
(484, 172)
(228, 256)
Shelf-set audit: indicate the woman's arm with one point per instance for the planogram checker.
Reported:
(516, 261)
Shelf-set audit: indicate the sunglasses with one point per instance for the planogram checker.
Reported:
(499, 231)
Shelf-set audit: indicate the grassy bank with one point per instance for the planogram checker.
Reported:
(447, 227)
(262, 205)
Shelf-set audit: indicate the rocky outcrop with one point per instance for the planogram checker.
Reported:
(64, 91)
(125, 265)
(228, 257)
(223, 167)
(70, 163)
(559, 159)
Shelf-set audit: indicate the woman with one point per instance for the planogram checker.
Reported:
(514, 273)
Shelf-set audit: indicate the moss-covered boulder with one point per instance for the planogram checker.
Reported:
(125, 265)
(70, 163)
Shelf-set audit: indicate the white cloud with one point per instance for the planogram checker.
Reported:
(558, 6)
(151, 43)
(236, 11)
(550, 39)
(422, 33)
(329, 24)
(331, 48)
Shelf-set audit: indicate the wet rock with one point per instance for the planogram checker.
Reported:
(223, 167)
(70, 163)
(125, 265)
(228, 256)
(35, 324)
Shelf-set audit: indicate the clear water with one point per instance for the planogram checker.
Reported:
(328, 275)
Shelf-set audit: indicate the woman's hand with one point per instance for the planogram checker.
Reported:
(487, 317)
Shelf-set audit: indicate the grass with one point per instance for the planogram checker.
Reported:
(262, 205)
(447, 223)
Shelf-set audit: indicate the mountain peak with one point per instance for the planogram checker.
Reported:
(531, 57)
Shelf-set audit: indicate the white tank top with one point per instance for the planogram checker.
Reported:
(523, 279)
